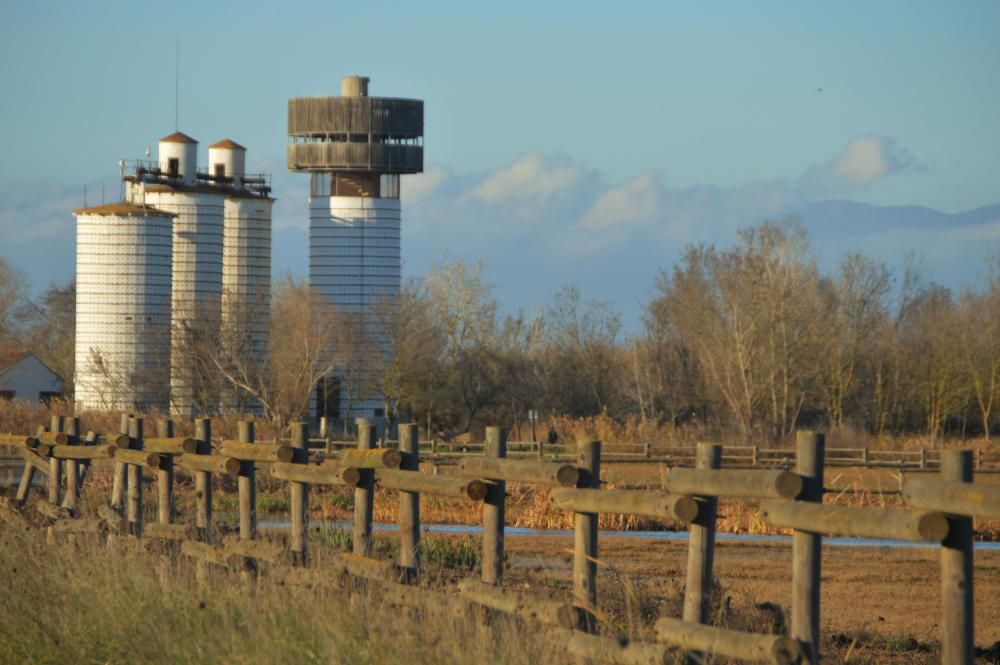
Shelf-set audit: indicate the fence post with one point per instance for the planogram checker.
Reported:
(55, 465)
(300, 497)
(247, 485)
(121, 477)
(134, 504)
(923, 458)
(364, 494)
(588, 460)
(806, 546)
(409, 503)
(165, 476)
(72, 498)
(493, 510)
(701, 543)
(754, 456)
(203, 481)
(979, 458)
(957, 634)
(864, 455)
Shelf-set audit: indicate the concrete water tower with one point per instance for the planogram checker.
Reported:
(355, 147)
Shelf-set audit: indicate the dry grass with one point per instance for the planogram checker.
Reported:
(86, 604)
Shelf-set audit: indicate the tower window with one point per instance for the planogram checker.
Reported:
(173, 166)
(220, 170)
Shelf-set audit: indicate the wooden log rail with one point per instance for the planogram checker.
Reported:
(950, 496)
(734, 483)
(942, 508)
(327, 473)
(856, 522)
(675, 507)
(376, 458)
(209, 464)
(256, 452)
(172, 445)
(421, 483)
(776, 649)
(550, 612)
(522, 471)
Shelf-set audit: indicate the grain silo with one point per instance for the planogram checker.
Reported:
(123, 303)
(355, 147)
(246, 264)
(176, 186)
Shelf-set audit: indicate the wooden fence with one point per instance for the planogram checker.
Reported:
(940, 512)
(985, 461)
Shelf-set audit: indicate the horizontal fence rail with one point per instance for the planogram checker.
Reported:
(939, 510)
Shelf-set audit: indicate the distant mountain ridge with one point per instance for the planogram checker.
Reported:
(852, 217)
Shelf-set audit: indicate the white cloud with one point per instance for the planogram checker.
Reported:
(417, 187)
(863, 161)
(531, 175)
(636, 201)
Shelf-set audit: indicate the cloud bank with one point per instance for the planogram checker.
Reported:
(544, 220)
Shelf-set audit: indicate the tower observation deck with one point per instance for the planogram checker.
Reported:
(356, 148)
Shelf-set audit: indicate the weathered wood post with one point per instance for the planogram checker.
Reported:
(203, 481)
(247, 485)
(957, 634)
(754, 456)
(585, 537)
(864, 455)
(364, 494)
(493, 510)
(409, 503)
(121, 476)
(165, 476)
(806, 547)
(701, 544)
(300, 497)
(72, 498)
(134, 504)
(27, 477)
(923, 458)
(55, 465)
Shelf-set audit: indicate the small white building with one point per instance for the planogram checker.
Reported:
(24, 377)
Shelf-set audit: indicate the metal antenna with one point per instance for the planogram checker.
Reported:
(177, 83)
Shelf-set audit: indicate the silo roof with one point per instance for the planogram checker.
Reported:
(228, 144)
(123, 208)
(177, 137)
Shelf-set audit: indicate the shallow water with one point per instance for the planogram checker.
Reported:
(679, 536)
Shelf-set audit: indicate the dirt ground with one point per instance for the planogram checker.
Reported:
(884, 595)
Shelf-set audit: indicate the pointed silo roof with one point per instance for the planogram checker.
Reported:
(228, 144)
(177, 137)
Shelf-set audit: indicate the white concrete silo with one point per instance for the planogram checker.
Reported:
(246, 261)
(355, 147)
(123, 307)
(197, 266)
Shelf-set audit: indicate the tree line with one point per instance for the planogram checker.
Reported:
(751, 340)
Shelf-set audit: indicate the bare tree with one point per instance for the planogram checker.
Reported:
(408, 370)
(283, 375)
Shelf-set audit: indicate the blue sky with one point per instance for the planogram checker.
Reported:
(557, 134)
